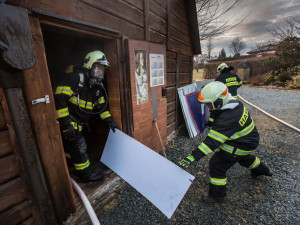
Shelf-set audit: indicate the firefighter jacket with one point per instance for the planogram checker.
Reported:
(75, 98)
(233, 131)
(232, 81)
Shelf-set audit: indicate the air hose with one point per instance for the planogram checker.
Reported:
(268, 114)
(86, 203)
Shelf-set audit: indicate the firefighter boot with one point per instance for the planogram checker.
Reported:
(210, 199)
(89, 175)
(262, 169)
(94, 177)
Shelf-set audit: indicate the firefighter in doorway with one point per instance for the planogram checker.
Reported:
(80, 95)
(234, 133)
(231, 80)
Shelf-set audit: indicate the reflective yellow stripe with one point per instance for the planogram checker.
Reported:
(82, 103)
(82, 166)
(218, 181)
(255, 164)
(240, 83)
(243, 132)
(89, 105)
(231, 84)
(62, 112)
(228, 148)
(235, 96)
(102, 100)
(76, 126)
(73, 100)
(63, 90)
(204, 148)
(217, 136)
(211, 119)
(105, 114)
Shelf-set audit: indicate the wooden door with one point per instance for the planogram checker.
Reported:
(43, 117)
(142, 88)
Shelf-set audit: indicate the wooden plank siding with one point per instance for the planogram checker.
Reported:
(157, 22)
(16, 203)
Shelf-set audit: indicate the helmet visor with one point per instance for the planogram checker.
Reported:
(98, 71)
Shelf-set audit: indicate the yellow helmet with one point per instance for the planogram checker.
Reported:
(95, 57)
(215, 93)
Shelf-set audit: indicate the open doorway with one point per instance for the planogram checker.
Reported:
(64, 48)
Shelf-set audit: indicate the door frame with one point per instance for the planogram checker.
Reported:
(43, 116)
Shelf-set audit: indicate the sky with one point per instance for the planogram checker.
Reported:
(260, 17)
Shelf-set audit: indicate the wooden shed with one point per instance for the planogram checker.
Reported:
(38, 40)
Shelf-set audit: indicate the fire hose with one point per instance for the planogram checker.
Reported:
(268, 114)
(86, 203)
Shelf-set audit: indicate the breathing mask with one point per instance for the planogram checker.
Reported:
(97, 74)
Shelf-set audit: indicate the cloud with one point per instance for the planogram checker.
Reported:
(262, 15)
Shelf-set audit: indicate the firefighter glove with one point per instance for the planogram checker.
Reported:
(112, 125)
(185, 162)
(69, 133)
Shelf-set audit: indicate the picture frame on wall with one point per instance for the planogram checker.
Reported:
(141, 77)
(156, 69)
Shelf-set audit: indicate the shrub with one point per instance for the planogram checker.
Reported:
(270, 78)
(284, 76)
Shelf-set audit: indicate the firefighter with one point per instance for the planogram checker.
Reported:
(234, 133)
(79, 96)
(231, 80)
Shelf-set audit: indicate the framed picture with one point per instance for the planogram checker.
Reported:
(141, 79)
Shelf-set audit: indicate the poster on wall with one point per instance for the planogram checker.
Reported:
(141, 80)
(156, 69)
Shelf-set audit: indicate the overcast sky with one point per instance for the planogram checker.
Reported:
(261, 17)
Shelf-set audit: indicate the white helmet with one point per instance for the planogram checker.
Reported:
(221, 67)
(215, 93)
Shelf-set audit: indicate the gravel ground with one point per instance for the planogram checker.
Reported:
(264, 200)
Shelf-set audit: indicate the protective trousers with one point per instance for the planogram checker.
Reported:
(76, 153)
(222, 161)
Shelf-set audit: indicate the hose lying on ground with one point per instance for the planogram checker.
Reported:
(268, 114)
(86, 203)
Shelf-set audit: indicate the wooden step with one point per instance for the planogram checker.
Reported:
(98, 193)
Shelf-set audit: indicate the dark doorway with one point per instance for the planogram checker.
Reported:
(63, 48)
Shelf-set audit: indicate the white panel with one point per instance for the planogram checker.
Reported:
(162, 182)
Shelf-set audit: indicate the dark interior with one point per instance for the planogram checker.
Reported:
(64, 48)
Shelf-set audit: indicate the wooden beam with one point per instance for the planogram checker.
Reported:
(168, 24)
(146, 15)
(176, 87)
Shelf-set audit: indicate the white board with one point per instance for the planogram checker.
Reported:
(159, 180)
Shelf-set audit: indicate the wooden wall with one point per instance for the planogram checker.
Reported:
(157, 21)
(16, 203)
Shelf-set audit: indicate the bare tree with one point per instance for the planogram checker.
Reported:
(289, 28)
(237, 46)
(209, 47)
(215, 18)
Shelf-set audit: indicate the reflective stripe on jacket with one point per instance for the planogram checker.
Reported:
(232, 81)
(68, 104)
(233, 131)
